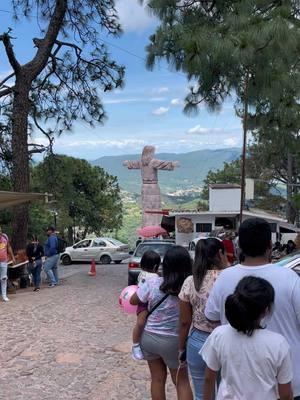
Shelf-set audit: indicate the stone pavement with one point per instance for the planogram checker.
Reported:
(71, 342)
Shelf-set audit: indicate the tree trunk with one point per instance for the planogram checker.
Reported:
(243, 160)
(20, 168)
(70, 235)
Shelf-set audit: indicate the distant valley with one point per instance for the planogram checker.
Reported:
(189, 176)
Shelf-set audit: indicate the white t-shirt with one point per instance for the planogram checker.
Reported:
(252, 366)
(145, 275)
(285, 318)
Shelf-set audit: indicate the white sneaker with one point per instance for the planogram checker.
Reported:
(136, 352)
(6, 299)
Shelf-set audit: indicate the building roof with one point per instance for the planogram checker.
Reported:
(224, 186)
(254, 213)
(10, 199)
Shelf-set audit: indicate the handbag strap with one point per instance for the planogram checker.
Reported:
(157, 304)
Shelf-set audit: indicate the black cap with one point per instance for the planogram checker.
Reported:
(51, 228)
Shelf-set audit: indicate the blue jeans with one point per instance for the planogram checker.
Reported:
(195, 362)
(50, 267)
(36, 272)
(3, 277)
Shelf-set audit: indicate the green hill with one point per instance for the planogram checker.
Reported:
(193, 168)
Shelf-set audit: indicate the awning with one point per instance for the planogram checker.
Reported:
(10, 199)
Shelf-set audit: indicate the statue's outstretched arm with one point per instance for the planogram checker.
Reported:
(134, 164)
(165, 165)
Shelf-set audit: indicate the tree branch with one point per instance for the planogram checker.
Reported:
(45, 45)
(51, 139)
(7, 78)
(78, 50)
(6, 92)
(5, 38)
(37, 148)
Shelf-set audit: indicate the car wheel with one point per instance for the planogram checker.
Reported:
(66, 260)
(118, 261)
(105, 259)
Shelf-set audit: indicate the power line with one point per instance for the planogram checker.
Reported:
(104, 41)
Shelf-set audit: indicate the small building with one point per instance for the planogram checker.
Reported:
(224, 197)
(223, 213)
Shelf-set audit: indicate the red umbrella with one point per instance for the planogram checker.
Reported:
(151, 231)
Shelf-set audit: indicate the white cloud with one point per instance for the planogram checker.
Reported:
(232, 141)
(105, 143)
(154, 99)
(121, 101)
(134, 100)
(160, 111)
(161, 90)
(177, 102)
(134, 16)
(198, 130)
(39, 140)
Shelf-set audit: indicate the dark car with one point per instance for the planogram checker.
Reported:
(160, 246)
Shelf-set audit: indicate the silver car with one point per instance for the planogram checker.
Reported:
(103, 249)
(291, 261)
(158, 245)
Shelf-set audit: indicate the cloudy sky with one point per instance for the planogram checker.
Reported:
(148, 110)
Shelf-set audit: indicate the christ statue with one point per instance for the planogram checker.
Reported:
(150, 189)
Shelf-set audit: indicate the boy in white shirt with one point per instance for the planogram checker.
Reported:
(256, 245)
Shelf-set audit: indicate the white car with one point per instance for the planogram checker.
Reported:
(104, 250)
(291, 261)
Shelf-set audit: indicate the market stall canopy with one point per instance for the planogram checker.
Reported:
(10, 199)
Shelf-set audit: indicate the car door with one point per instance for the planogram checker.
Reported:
(81, 250)
(98, 246)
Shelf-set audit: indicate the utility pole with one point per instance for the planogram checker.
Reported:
(243, 164)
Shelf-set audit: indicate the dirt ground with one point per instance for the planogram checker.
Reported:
(71, 342)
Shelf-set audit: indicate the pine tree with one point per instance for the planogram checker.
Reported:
(60, 84)
(248, 50)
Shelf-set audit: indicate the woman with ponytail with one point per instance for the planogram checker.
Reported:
(255, 363)
(210, 259)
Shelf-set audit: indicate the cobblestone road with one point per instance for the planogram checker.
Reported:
(71, 342)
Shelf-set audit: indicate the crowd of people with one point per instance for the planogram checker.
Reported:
(234, 330)
(39, 256)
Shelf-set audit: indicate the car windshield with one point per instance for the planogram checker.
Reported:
(160, 248)
(288, 259)
(115, 242)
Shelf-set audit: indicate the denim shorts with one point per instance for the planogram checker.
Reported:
(155, 346)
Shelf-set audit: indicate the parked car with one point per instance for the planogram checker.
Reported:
(158, 245)
(104, 250)
(291, 261)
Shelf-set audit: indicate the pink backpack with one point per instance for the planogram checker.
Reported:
(3, 247)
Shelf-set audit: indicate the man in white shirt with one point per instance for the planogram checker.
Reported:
(256, 245)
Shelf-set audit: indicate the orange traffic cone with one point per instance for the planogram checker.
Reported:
(93, 268)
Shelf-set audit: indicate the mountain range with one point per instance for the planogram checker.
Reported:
(193, 169)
